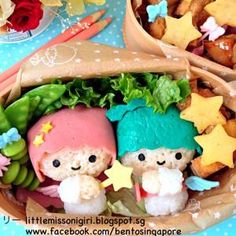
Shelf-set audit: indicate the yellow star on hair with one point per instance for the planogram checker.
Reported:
(217, 146)
(46, 127)
(38, 140)
(119, 176)
(224, 11)
(204, 112)
(180, 32)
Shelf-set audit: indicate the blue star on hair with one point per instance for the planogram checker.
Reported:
(158, 10)
(9, 137)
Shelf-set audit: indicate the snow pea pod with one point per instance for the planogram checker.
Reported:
(34, 184)
(20, 154)
(29, 179)
(17, 113)
(4, 123)
(13, 149)
(10, 175)
(53, 107)
(48, 93)
(34, 102)
(22, 175)
(24, 159)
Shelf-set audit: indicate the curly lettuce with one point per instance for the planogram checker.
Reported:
(158, 91)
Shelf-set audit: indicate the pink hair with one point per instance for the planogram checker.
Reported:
(72, 128)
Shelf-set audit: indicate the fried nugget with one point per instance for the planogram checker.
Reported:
(157, 28)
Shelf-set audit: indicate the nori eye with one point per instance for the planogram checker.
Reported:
(141, 157)
(178, 155)
(92, 158)
(56, 163)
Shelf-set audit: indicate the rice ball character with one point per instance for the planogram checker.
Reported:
(158, 147)
(77, 146)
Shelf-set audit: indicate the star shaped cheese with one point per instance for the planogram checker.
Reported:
(119, 176)
(217, 146)
(224, 11)
(180, 32)
(204, 112)
(46, 127)
(38, 140)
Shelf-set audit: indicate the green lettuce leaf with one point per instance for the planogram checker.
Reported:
(166, 93)
(158, 91)
(124, 203)
(185, 89)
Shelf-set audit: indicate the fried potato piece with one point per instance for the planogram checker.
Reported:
(230, 127)
(194, 89)
(172, 8)
(170, 2)
(221, 50)
(153, 2)
(183, 7)
(197, 9)
(234, 54)
(204, 171)
(193, 44)
(157, 28)
(201, 19)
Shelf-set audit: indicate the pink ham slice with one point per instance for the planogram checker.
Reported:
(45, 201)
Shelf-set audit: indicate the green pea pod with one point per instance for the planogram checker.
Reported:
(10, 175)
(20, 155)
(22, 175)
(34, 102)
(4, 123)
(29, 179)
(24, 159)
(13, 149)
(17, 113)
(34, 184)
(53, 107)
(49, 93)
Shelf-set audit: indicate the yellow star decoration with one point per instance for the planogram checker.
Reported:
(38, 140)
(217, 146)
(224, 11)
(180, 32)
(204, 112)
(46, 127)
(119, 176)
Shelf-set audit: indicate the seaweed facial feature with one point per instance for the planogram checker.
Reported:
(67, 163)
(146, 160)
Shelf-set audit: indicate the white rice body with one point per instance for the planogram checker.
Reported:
(93, 201)
(171, 197)
(166, 205)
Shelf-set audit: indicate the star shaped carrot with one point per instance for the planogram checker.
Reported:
(204, 112)
(46, 127)
(223, 11)
(38, 140)
(217, 146)
(180, 32)
(119, 176)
